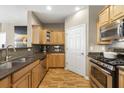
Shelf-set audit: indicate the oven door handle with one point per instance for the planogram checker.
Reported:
(106, 71)
(101, 68)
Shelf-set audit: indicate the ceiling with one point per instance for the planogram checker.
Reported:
(17, 14)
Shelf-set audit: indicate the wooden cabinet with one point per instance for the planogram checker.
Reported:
(36, 34)
(36, 76)
(55, 60)
(121, 79)
(61, 37)
(45, 37)
(104, 17)
(24, 82)
(118, 11)
(43, 68)
(57, 37)
(27, 77)
(111, 13)
(6, 82)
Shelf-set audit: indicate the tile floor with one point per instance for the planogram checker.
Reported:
(60, 78)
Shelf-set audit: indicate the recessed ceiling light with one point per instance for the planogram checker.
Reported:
(77, 8)
(49, 8)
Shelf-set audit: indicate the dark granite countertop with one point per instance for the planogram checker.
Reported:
(18, 65)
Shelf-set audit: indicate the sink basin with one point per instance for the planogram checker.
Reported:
(20, 60)
(6, 65)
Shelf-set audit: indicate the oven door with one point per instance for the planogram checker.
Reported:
(99, 77)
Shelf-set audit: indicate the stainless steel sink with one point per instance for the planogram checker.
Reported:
(20, 60)
(6, 65)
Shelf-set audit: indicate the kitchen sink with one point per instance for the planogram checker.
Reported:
(6, 65)
(20, 60)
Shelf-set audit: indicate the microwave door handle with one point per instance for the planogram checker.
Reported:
(118, 30)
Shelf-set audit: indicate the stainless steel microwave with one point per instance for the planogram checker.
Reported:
(112, 31)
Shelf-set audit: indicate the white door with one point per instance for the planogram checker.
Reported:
(76, 49)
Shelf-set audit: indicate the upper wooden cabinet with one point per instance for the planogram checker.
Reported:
(111, 13)
(118, 11)
(57, 37)
(36, 34)
(104, 17)
(45, 37)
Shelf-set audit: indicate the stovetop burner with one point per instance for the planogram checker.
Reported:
(117, 61)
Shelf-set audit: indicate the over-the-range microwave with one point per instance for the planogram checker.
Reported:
(112, 31)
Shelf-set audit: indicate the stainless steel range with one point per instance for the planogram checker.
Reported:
(104, 72)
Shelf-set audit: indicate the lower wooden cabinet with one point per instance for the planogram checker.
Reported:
(27, 77)
(55, 60)
(36, 76)
(121, 79)
(6, 82)
(24, 82)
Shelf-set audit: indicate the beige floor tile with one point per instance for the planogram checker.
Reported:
(60, 78)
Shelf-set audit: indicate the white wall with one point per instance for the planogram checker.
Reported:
(0, 27)
(93, 18)
(32, 20)
(80, 17)
(9, 29)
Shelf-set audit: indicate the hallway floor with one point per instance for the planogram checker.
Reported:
(60, 78)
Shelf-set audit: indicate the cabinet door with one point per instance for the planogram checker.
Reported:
(57, 37)
(50, 60)
(54, 37)
(36, 76)
(24, 82)
(6, 82)
(43, 68)
(111, 13)
(56, 60)
(60, 38)
(121, 79)
(59, 60)
(36, 35)
(118, 11)
(104, 17)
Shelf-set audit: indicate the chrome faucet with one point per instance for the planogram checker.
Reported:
(7, 52)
